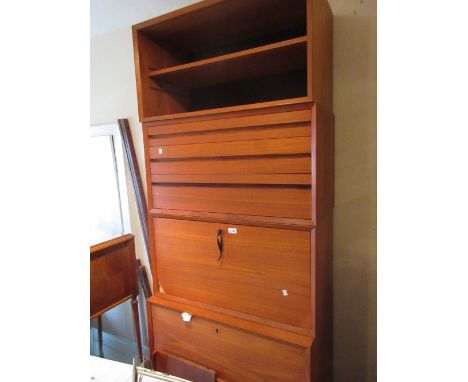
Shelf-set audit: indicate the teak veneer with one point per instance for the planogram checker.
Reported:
(235, 97)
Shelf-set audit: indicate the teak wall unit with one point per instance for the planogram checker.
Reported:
(235, 97)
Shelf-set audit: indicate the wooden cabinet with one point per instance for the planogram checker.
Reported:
(236, 105)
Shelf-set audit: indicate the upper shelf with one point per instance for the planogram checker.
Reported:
(265, 60)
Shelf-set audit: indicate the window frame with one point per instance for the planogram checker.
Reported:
(112, 131)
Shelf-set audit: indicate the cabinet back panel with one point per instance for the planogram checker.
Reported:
(292, 84)
(259, 263)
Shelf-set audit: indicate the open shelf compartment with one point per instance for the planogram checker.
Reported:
(198, 59)
(266, 60)
(213, 28)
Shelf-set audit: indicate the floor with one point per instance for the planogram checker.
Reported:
(114, 348)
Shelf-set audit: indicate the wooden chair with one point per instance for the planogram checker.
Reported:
(113, 280)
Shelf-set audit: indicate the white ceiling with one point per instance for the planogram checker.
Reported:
(110, 15)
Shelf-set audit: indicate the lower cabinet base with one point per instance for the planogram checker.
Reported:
(237, 350)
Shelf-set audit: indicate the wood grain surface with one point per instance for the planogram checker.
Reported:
(236, 355)
(259, 264)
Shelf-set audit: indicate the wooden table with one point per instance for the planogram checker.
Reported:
(113, 280)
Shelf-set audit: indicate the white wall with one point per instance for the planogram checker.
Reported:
(110, 15)
(355, 247)
(113, 96)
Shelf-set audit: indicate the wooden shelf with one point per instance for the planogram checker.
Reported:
(269, 59)
(288, 102)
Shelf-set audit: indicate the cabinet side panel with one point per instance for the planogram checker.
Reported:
(152, 99)
(109, 277)
(320, 33)
(323, 127)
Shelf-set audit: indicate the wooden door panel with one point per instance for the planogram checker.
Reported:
(236, 355)
(258, 265)
(249, 200)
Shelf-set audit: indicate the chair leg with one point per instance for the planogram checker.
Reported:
(136, 323)
(101, 352)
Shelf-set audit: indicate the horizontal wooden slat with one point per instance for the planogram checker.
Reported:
(110, 244)
(290, 131)
(268, 107)
(282, 165)
(233, 122)
(249, 200)
(292, 179)
(300, 145)
(96, 313)
(252, 220)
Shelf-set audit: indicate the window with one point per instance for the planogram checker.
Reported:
(108, 188)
